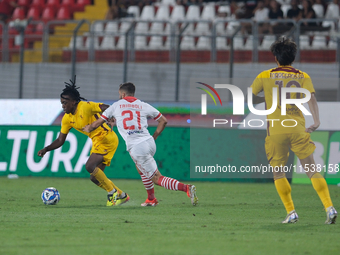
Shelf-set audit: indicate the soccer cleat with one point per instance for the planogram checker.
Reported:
(332, 214)
(111, 199)
(121, 200)
(191, 192)
(148, 202)
(292, 217)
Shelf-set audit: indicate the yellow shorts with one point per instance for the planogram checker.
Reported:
(106, 146)
(277, 147)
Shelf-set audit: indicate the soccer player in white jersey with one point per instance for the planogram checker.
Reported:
(131, 119)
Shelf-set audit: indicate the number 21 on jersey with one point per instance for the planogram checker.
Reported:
(129, 116)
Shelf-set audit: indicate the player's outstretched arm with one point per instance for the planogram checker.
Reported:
(54, 145)
(313, 107)
(94, 125)
(162, 121)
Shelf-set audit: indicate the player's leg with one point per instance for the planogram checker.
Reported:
(148, 184)
(303, 147)
(173, 184)
(320, 185)
(277, 153)
(142, 154)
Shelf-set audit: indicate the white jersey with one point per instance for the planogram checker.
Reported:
(131, 119)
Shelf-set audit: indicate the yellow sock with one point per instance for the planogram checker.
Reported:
(104, 182)
(320, 186)
(283, 188)
(118, 189)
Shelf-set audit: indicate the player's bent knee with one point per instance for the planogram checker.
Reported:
(279, 175)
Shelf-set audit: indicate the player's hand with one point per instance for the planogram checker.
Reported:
(87, 129)
(312, 128)
(111, 122)
(42, 152)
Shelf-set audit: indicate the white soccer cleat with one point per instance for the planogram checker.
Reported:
(191, 192)
(332, 214)
(292, 217)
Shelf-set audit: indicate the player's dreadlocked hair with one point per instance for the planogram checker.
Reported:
(72, 91)
(284, 50)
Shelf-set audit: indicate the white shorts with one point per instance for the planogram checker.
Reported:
(142, 154)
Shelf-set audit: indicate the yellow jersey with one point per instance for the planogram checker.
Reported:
(283, 76)
(86, 113)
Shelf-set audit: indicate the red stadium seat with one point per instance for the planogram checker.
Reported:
(64, 13)
(39, 4)
(24, 3)
(53, 3)
(69, 3)
(48, 13)
(19, 13)
(34, 12)
(83, 2)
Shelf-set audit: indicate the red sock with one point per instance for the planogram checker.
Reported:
(148, 184)
(171, 184)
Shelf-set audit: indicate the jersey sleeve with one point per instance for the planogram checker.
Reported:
(65, 125)
(152, 112)
(108, 113)
(257, 85)
(307, 84)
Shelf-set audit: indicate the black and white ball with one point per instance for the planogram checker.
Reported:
(50, 196)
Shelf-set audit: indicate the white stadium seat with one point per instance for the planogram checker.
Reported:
(203, 43)
(188, 43)
(267, 41)
(319, 42)
(304, 42)
(221, 43)
(134, 9)
(249, 45)
(319, 10)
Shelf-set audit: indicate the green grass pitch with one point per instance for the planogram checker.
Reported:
(231, 218)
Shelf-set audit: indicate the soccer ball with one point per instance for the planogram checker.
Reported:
(50, 196)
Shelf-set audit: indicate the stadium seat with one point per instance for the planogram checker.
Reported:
(83, 2)
(249, 45)
(188, 43)
(156, 43)
(203, 43)
(319, 10)
(40, 4)
(168, 2)
(285, 8)
(134, 9)
(121, 43)
(332, 44)
(319, 42)
(267, 41)
(88, 41)
(53, 3)
(79, 42)
(148, 13)
(221, 43)
(193, 13)
(109, 39)
(208, 12)
(64, 13)
(34, 12)
(48, 13)
(304, 42)
(24, 3)
(224, 9)
(162, 14)
(39, 28)
(178, 13)
(69, 3)
(238, 43)
(18, 13)
(140, 43)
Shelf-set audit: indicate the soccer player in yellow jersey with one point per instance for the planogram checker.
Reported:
(296, 137)
(104, 141)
